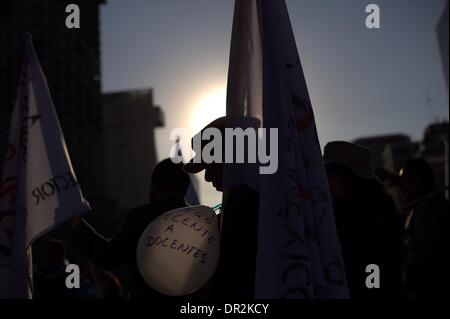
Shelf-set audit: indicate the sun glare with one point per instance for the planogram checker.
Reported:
(208, 108)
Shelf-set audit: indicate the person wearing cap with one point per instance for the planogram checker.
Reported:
(366, 220)
(234, 276)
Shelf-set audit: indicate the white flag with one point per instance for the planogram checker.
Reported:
(298, 253)
(38, 189)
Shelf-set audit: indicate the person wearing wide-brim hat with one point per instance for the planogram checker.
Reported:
(357, 158)
(366, 220)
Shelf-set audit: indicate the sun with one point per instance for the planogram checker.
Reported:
(209, 107)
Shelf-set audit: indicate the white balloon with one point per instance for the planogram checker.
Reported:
(178, 252)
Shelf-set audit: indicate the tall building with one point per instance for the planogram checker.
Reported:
(70, 59)
(442, 33)
(128, 150)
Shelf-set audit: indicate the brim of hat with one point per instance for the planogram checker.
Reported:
(368, 176)
(194, 168)
(362, 174)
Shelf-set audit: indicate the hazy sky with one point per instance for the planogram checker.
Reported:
(362, 82)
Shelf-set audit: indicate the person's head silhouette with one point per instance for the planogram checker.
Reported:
(416, 178)
(213, 171)
(168, 178)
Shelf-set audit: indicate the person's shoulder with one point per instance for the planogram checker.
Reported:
(433, 204)
(153, 210)
(141, 209)
(243, 197)
(138, 213)
(169, 203)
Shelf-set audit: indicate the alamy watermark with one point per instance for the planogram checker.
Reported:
(373, 17)
(239, 145)
(73, 19)
(73, 277)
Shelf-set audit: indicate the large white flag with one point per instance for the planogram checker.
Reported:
(298, 253)
(38, 188)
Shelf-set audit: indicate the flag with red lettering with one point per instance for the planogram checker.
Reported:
(298, 253)
(38, 187)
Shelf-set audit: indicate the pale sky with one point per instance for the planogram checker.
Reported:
(362, 82)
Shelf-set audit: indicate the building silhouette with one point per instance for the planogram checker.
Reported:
(442, 34)
(70, 59)
(128, 150)
(390, 152)
(109, 137)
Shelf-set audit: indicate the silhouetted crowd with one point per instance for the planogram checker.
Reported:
(406, 238)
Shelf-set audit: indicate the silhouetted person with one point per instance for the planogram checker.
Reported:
(235, 273)
(426, 232)
(168, 187)
(49, 275)
(366, 221)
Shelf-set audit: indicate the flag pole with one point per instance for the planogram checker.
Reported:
(30, 273)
